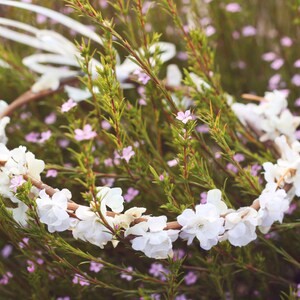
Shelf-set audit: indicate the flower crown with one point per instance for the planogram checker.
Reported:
(104, 220)
(211, 222)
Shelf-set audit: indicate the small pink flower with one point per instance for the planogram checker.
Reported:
(274, 81)
(296, 80)
(203, 197)
(142, 77)
(51, 173)
(297, 63)
(50, 119)
(4, 280)
(269, 56)
(184, 117)
(32, 137)
(172, 163)
(30, 267)
(40, 261)
(25, 115)
(127, 153)
(292, 208)
(108, 181)
(103, 3)
(6, 251)
(142, 102)
(297, 102)
(218, 155)
(210, 30)
(45, 136)
(105, 125)
(297, 134)
(286, 41)
(158, 270)
(233, 7)
(24, 242)
(239, 157)
(232, 168)
(255, 169)
(248, 31)
(190, 278)
(203, 128)
(178, 254)
(95, 267)
(146, 6)
(64, 143)
(79, 279)
(131, 194)
(126, 275)
(161, 177)
(236, 35)
(86, 134)
(68, 105)
(277, 64)
(181, 55)
(16, 182)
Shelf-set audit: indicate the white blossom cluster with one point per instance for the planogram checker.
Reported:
(270, 118)
(14, 165)
(210, 223)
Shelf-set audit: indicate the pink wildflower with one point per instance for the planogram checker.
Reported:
(131, 194)
(86, 133)
(68, 105)
(127, 153)
(184, 117)
(51, 173)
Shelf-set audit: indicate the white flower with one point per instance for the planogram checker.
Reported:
(205, 223)
(174, 75)
(90, 227)
(215, 197)
(34, 166)
(111, 197)
(20, 213)
(53, 211)
(285, 123)
(241, 226)
(20, 162)
(201, 85)
(152, 239)
(79, 94)
(272, 172)
(4, 153)
(273, 204)
(290, 157)
(270, 118)
(5, 189)
(124, 220)
(275, 103)
(48, 81)
(287, 168)
(3, 122)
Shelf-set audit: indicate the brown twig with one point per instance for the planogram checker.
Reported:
(72, 206)
(253, 97)
(29, 96)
